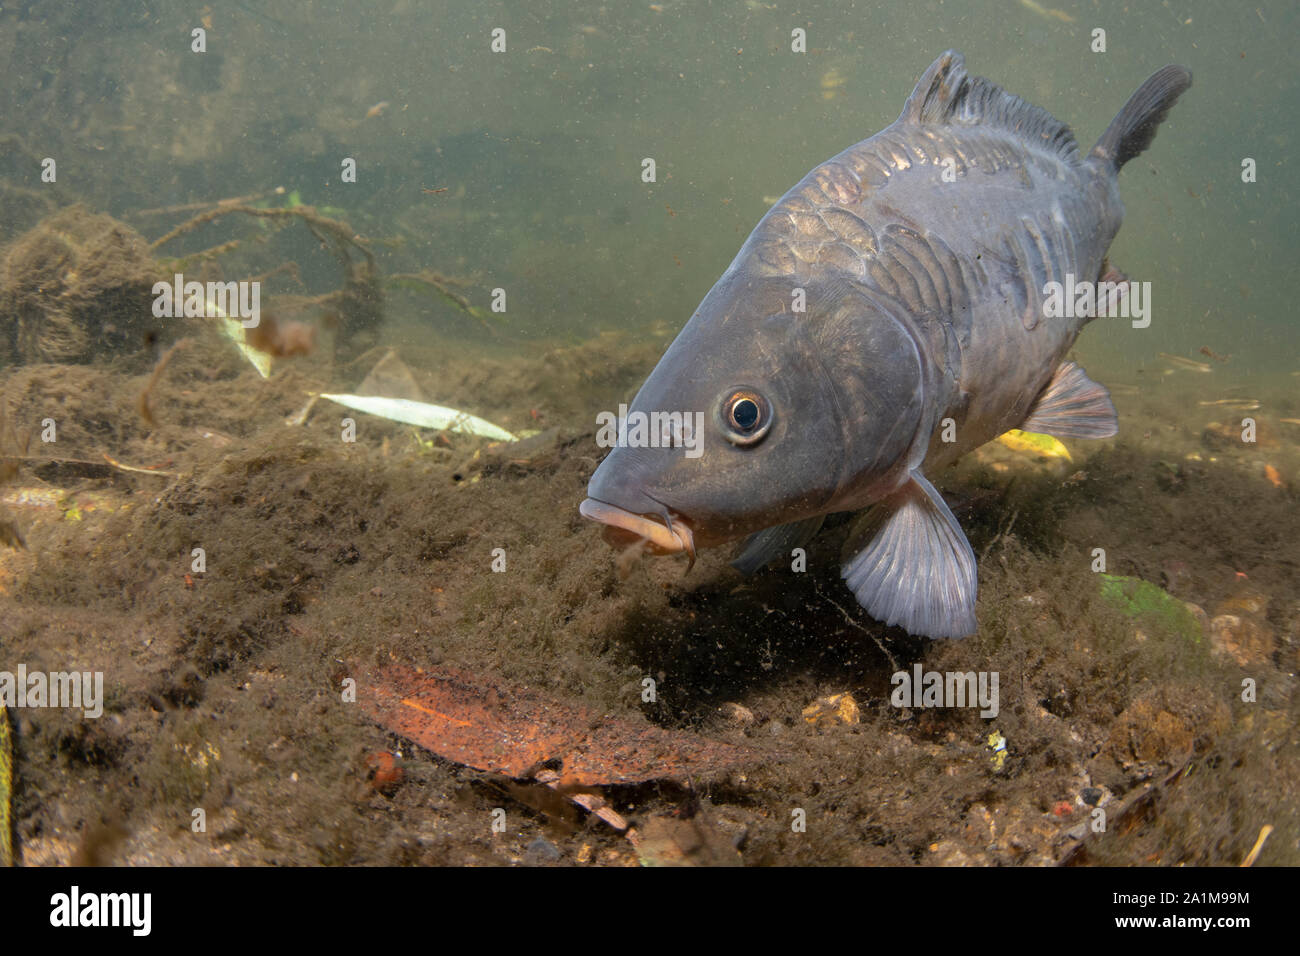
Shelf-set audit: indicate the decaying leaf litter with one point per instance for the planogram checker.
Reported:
(379, 552)
(511, 730)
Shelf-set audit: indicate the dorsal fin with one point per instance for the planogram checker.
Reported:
(948, 96)
(1134, 128)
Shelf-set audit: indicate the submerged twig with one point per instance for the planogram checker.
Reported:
(191, 206)
(142, 403)
(893, 662)
(320, 226)
(12, 447)
(1004, 531)
(359, 301)
(1253, 855)
(181, 263)
(138, 471)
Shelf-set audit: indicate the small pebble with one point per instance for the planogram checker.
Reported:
(542, 850)
(737, 713)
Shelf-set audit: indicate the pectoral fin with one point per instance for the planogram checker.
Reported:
(916, 568)
(1072, 406)
(767, 545)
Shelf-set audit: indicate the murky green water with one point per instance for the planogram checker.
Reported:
(540, 147)
(515, 175)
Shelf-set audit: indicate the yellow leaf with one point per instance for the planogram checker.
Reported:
(1032, 443)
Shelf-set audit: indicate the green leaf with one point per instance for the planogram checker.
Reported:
(1134, 597)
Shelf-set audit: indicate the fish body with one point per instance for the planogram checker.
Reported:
(886, 316)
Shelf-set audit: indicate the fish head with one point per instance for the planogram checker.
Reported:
(785, 415)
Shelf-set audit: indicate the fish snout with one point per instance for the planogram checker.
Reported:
(663, 534)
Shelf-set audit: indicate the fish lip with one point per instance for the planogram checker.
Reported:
(668, 536)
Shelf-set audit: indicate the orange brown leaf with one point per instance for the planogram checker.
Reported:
(504, 728)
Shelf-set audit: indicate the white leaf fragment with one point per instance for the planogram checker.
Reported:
(233, 329)
(423, 415)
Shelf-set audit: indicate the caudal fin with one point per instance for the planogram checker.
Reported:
(1132, 131)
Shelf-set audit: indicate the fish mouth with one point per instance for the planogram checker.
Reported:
(623, 527)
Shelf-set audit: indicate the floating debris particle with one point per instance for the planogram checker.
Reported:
(831, 82)
(1184, 363)
(1244, 404)
(1047, 13)
(279, 338)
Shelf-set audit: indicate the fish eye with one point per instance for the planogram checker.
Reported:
(745, 416)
